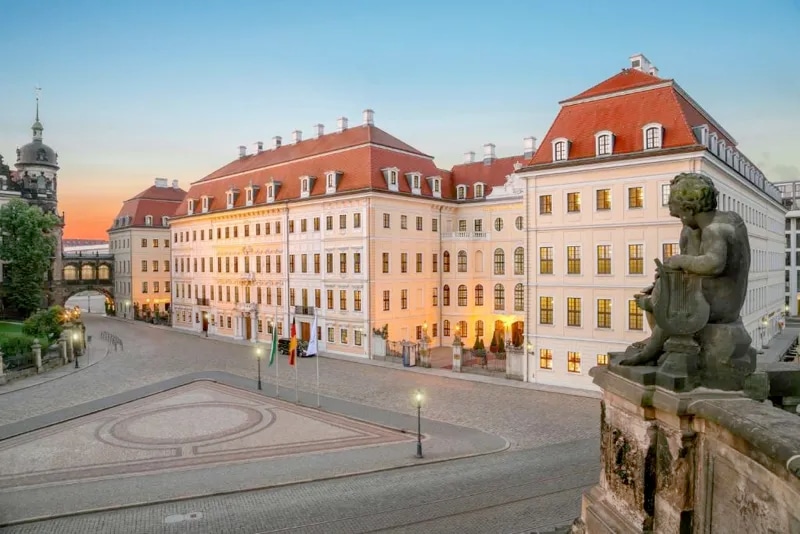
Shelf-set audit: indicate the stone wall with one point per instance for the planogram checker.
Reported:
(703, 461)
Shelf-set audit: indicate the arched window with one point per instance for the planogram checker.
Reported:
(462, 261)
(70, 272)
(148, 220)
(103, 272)
(519, 260)
(446, 261)
(479, 295)
(446, 296)
(478, 261)
(462, 295)
(652, 136)
(519, 298)
(478, 328)
(499, 261)
(87, 272)
(462, 329)
(499, 297)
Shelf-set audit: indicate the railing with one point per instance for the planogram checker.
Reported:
(304, 310)
(465, 235)
(85, 281)
(482, 364)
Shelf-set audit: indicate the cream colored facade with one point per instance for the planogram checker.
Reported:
(142, 275)
(592, 311)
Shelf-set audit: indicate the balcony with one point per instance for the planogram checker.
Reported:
(203, 302)
(304, 310)
(466, 235)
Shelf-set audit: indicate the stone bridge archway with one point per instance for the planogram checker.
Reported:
(85, 272)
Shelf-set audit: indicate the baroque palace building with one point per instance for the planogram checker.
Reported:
(596, 204)
(139, 239)
(547, 248)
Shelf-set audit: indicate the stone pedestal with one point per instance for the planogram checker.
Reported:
(515, 363)
(70, 349)
(648, 454)
(37, 355)
(62, 346)
(458, 349)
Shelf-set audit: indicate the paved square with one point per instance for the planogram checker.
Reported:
(199, 424)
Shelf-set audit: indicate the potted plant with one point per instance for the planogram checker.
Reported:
(480, 350)
(501, 348)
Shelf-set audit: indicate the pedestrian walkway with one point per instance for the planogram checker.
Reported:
(779, 345)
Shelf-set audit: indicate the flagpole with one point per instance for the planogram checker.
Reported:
(316, 350)
(277, 356)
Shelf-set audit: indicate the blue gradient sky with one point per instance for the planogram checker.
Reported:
(134, 90)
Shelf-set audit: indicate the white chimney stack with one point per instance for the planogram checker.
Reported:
(488, 153)
(242, 151)
(641, 63)
(161, 182)
(320, 128)
(469, 157)
(260, 146)
(529, 144)
(276, 141)
(297, 136)
(175, 184)
(369, 117)
(341, 123)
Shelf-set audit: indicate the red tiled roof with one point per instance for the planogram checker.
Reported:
(156, 201)
(624, 81)
(351, 137)
(492, 175)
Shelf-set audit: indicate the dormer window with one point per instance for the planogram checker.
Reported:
(479, 190)
(306, 185)
(332, 181)
(653, 134)
(435, 183)
(414, 182)
(391, 176)
(205, 203)
(272, 191)
(230, 197)
(250, 194)
(461, 192)
(164, 221)
(190, 206)
(604, 143)
(721, 150)
(148, 220)
(560, 149)
(712, 142)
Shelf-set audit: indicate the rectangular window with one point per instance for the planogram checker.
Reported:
(434, 225)
(357, 338)
(603, 199)
(635, 259)
(342, 299)
(603, 259)
(386, 300)
(602, 359)
(385, 262)
(316, 263)
(545, 310)
(668, 250)
(403, 262)
(665, 190)
(329, 262)
(356, 220)
(330, 334)
(419, 223)
(303, 225)
(357, 300)
(545, 204)
(342, 262)
(343, 221)
(329, 294)
(304, 262)
(343, 336)
(635, 316)
(316, 224)
(404, 222)
(573, 202)
(329, 222)
(356, 262)
(435, 263)
(636, 197)
(291, 227)
(419, 262)
(462, 262)
(545, 260)
(573, 311)
(404, 299)
(603, 313)
(545, 358)
(573, 260)
(291, 263)
(387, 220)
(574, 362)
(144, 266)
(435, 296)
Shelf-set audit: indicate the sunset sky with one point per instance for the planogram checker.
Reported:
(136, 90)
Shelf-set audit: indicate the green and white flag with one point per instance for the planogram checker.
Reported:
(273, 351)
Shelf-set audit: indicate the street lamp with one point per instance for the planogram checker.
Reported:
(75, 338)
(418, 398)
(259, 353)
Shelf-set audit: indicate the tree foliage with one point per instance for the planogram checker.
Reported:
(4, 169)
(45, 323)
(27, 247)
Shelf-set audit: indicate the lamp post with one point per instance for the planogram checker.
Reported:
(75, 338)
(258, 357)
(418, 398)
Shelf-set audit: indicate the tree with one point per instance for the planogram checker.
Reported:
(45, 323)
(4, 169)
(27, 247)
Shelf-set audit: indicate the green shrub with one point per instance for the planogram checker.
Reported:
(45, 324)
(16, 345)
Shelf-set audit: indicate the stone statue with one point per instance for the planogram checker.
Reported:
(695, 302)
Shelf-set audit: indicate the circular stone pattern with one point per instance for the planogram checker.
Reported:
(179, 425)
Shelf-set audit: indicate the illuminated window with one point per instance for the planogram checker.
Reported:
(545, 204)
(603, 313)
(499, 297)
(545, 260)
(573, 311)
(545, 358)
(636, 197)
(635, 316)
(545, 310)
(573, 202)
(573, 260)
(574, 362)
(604, 199)
(635, 259)
(603, 259)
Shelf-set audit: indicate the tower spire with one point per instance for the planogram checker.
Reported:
(37, 126)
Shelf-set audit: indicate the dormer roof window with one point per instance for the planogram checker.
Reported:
(391, 174)
(479, 190)
(435, 183)
(332, 181)
(164, 221)
(230, 197)
(414, 182)
(148, 220)
(653, 135)
(721, 150)
(205, 203)
(461, 192)
(306, 186)
(604, 143)
(712, 142)
(250, 194)
(190, 206)
(561, 149)
(272, 191)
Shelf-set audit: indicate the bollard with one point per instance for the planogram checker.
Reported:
(2, 365)
(37, 355)
(62, 345)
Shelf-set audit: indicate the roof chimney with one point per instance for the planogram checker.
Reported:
(529, 144)
(341, 123)
(369, 117)
(641, 63)
(242, 151)
(175, 184)
(276, 141)
(297, 136)
(488, 154)
(320, 128)
(469, 157)
(161, 182)
(260, 146)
